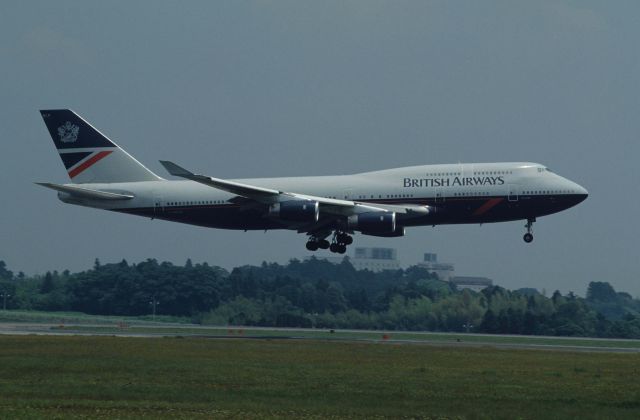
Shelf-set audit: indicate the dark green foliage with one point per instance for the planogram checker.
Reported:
(122, 289)
(4, 273)
(615, 306)
(316, 293)
(600, 291)
(47, 285)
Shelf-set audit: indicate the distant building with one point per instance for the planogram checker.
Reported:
(372, 259)
(443, 270)
(381, 259)
(473, 283)
(375, 259)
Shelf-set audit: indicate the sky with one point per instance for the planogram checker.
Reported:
(240, 89)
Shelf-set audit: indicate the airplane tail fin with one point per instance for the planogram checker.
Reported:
(88, 155)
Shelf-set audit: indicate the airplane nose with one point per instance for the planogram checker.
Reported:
(581, 193)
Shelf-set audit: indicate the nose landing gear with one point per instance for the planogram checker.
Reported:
(528, 237)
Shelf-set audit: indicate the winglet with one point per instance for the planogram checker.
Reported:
(176, 170)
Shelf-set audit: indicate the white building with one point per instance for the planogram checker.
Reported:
(375, 259)
(472, 283)
(372, 259)
(444, 271)
(380, 259)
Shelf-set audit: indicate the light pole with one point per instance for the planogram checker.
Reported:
(154, 302)
(4, 295)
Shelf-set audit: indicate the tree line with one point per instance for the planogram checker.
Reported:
(316, 293)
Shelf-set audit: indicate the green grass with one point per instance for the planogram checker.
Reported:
(18, 315)
(67, 377)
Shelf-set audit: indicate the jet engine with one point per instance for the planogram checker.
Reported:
(296, 210)
(374, 223)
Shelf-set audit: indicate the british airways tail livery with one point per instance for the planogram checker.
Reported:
(328, 209)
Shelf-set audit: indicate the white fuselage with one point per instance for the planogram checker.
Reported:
(436, 185)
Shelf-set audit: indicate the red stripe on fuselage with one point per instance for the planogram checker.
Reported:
(89, 162)
(491, 203)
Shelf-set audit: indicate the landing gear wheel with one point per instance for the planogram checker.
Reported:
(312, 245)
(344, 238)
(340, 241)
(528, 237)
(323, 244)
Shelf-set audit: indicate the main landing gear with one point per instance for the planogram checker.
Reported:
(528, 237)
(313, 244)
(338, 244)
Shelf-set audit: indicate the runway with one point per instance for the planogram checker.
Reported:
(159, 330)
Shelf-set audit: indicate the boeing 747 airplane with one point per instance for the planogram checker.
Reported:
(328, 209)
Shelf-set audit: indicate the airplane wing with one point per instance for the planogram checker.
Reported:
(264, 195)
(329, 207)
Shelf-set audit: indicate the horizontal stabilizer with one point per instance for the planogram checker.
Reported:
(86, 193)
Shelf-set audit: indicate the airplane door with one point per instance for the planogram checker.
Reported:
(513, 192)
(158, 204)
(440, 195)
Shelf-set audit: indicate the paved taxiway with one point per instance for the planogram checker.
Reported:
(255, 333)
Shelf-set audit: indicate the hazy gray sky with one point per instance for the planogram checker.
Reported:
(287, 88)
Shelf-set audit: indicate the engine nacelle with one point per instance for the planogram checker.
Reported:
(396, 233)
(374, 223)
(296, 210)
